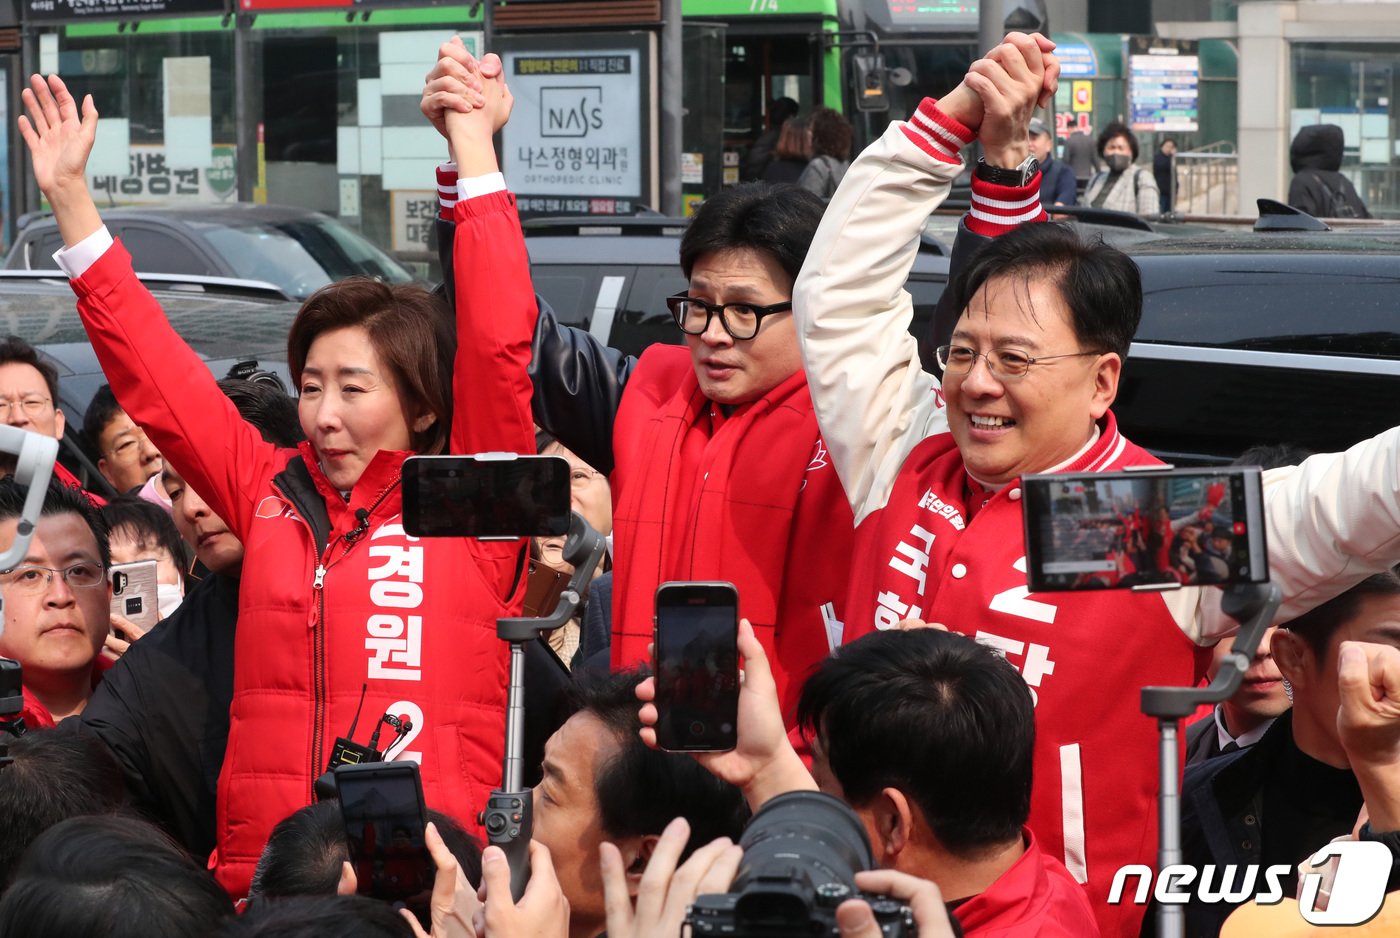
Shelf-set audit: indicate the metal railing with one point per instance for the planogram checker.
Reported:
(1207, 180)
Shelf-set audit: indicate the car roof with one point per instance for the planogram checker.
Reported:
(226, 213)
(1367, 240)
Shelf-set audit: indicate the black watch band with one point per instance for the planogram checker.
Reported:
(1018, 178)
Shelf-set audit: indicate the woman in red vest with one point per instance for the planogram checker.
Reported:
(335, 596)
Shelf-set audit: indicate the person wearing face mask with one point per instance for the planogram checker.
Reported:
(1122, 187)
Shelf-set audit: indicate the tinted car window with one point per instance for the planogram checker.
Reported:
(572, 290)
(176, 256)
(644, 319)
(1322, 304)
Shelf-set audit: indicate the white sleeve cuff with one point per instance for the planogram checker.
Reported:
(76, 260)
(473, 186)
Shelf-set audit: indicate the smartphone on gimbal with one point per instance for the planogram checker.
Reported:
(1144, 530)
(489, 495)
(696, 643)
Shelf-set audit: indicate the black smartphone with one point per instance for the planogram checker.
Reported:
(385, 817)
(697, 666)
(1148, 530)
(489, 495)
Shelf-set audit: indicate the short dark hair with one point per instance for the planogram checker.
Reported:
(639, 789)
(100, 413)
(54, 776)
(1318, 625)
(940, 717)
(778, 220)
(1100, 284)
(60, 499)
(317, 916)
(16, 351)
(781, 109)
(1272, 455)
(831, 134)
(148, 525)
(110, 876)
(269, 408)
(412, 332)
(1117, 129)
(305, 850)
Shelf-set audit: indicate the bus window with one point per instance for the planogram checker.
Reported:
(757, 70)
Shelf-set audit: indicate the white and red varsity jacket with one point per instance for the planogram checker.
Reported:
(932, 544)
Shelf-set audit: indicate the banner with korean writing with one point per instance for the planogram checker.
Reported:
(576, 132)
(44, 11)
(151, 179)
(1163, 84)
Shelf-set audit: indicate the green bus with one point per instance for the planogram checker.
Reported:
(873, 60)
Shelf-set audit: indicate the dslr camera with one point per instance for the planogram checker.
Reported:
(802, 851)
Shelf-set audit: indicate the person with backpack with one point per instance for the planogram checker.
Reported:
(1318, 188)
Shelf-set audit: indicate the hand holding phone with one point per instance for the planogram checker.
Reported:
(697, 666)
(135, 593)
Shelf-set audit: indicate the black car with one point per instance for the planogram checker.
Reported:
(293, 249)
(1247, 336)
(226, 322)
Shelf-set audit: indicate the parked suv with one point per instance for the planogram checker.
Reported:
(293, 249)
(1247, 336)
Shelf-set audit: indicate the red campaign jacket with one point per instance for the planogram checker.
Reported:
(944, 551)
(1036, 898)
(328, 605)
(749, 498)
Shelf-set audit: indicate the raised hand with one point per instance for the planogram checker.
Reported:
(1009, 82)
(665, 892)
(763, 764)
(454, 84)
(469, 133)
(59, 142)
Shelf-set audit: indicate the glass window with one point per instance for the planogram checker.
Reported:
(158, 252)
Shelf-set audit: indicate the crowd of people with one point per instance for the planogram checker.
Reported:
(983, 742)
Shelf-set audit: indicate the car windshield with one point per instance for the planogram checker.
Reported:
(300, 257)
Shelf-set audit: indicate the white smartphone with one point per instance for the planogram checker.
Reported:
(134, 592)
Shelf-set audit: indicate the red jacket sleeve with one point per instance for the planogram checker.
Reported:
(496, 315)
(168, 390)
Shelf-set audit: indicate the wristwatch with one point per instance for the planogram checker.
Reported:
(1019, 177)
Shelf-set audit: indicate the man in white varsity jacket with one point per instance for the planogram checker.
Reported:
(932, 469)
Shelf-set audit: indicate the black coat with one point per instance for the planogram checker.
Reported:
(1317, 187)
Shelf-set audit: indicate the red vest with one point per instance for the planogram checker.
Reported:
(946, 552)
(750, 498)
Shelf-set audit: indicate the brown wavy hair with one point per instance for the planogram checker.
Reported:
(831, 134)
(410, 329)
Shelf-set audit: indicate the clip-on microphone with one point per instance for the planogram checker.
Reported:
(508, 818)
(348, 752)
(1253, 606)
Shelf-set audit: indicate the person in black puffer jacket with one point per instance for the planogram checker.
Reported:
(1318, 188)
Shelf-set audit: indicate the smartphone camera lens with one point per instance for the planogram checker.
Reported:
(697, 728)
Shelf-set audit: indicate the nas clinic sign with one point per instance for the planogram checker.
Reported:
(576, 131)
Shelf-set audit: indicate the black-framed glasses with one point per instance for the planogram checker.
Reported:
(1003, 363)
(31, 578)
(740, 320)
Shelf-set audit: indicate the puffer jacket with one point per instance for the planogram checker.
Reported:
(335, 596)
(1318, 187)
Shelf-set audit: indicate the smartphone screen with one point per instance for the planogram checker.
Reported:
(697, 666)
(382, 806)
(486, 496)
(135, 594)
(1145, 530)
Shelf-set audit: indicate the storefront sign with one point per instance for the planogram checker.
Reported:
(1083, 96)
(1077, 60)
(413, 215)
(151, 179)
(1163, 84)
(576, 130)
(48, 11)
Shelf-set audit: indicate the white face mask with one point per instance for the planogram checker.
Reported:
(168, 598)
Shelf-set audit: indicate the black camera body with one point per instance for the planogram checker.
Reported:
(801, 853)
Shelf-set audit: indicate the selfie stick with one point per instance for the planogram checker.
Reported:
(507, 818)
(1253, 606)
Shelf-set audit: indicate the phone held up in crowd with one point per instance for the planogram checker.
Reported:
(697, 666)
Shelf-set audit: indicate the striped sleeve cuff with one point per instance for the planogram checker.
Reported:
(447, 189)
(999, 209)
(937, 134)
